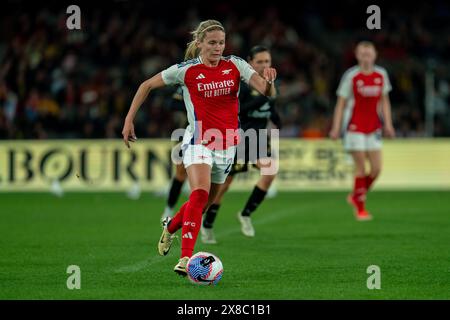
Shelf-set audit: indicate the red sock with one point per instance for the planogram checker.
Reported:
(369, 181)
(192, 220)
(359, 192)
(177, 221)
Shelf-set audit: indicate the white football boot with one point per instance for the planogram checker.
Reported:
(180, 268)
(246, 225)
(165, 242)
(208, 235)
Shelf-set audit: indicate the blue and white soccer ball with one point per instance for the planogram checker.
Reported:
(204, 268)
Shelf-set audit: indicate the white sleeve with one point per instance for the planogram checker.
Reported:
(387, 87)
(244, 68)
(345, 86)
(174, 74)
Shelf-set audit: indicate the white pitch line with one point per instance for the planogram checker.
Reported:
(140, 265)
(158, 259)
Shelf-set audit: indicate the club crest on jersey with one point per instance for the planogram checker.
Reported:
(227, 71)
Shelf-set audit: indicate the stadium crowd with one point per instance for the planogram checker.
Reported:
(58, 83)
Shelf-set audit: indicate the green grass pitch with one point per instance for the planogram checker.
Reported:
(307, 246)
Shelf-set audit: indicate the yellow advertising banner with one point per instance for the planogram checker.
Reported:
(107, 165)
(323, 164)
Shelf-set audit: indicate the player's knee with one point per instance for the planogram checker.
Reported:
(180, 177)
(265, 181)
(226, 185)
(180, 174)
(375, 172)
(222, 193)
(268, 179)
(219, 197)
(360, 171)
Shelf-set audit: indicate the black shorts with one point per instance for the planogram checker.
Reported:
(239, 168)
(249, 158)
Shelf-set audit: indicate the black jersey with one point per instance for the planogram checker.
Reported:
(255, 109)
(176, 102)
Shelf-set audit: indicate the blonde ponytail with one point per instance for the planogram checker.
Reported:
(192, 51)
(198, 35)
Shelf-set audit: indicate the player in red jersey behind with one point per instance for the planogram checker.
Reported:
(362, 95)
(210, 85)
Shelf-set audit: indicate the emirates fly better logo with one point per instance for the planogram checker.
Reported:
(370, 91)
(216, 88)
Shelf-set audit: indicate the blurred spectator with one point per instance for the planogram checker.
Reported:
(58, 83)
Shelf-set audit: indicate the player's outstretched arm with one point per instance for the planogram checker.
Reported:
(387, 116)
(337, 118)
(265, 85)
(140, 96)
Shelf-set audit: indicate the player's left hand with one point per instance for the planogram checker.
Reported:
(389, 131)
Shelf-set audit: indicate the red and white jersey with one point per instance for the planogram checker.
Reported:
(211, 97)
(363, 93)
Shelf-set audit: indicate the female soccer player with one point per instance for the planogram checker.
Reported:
(362, 92)
(210, 91)
(254, 114)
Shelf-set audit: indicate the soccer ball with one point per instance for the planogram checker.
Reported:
(204, 268)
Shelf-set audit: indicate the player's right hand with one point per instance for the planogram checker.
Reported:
(334, 134)
(389, 131)
(128, 133)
